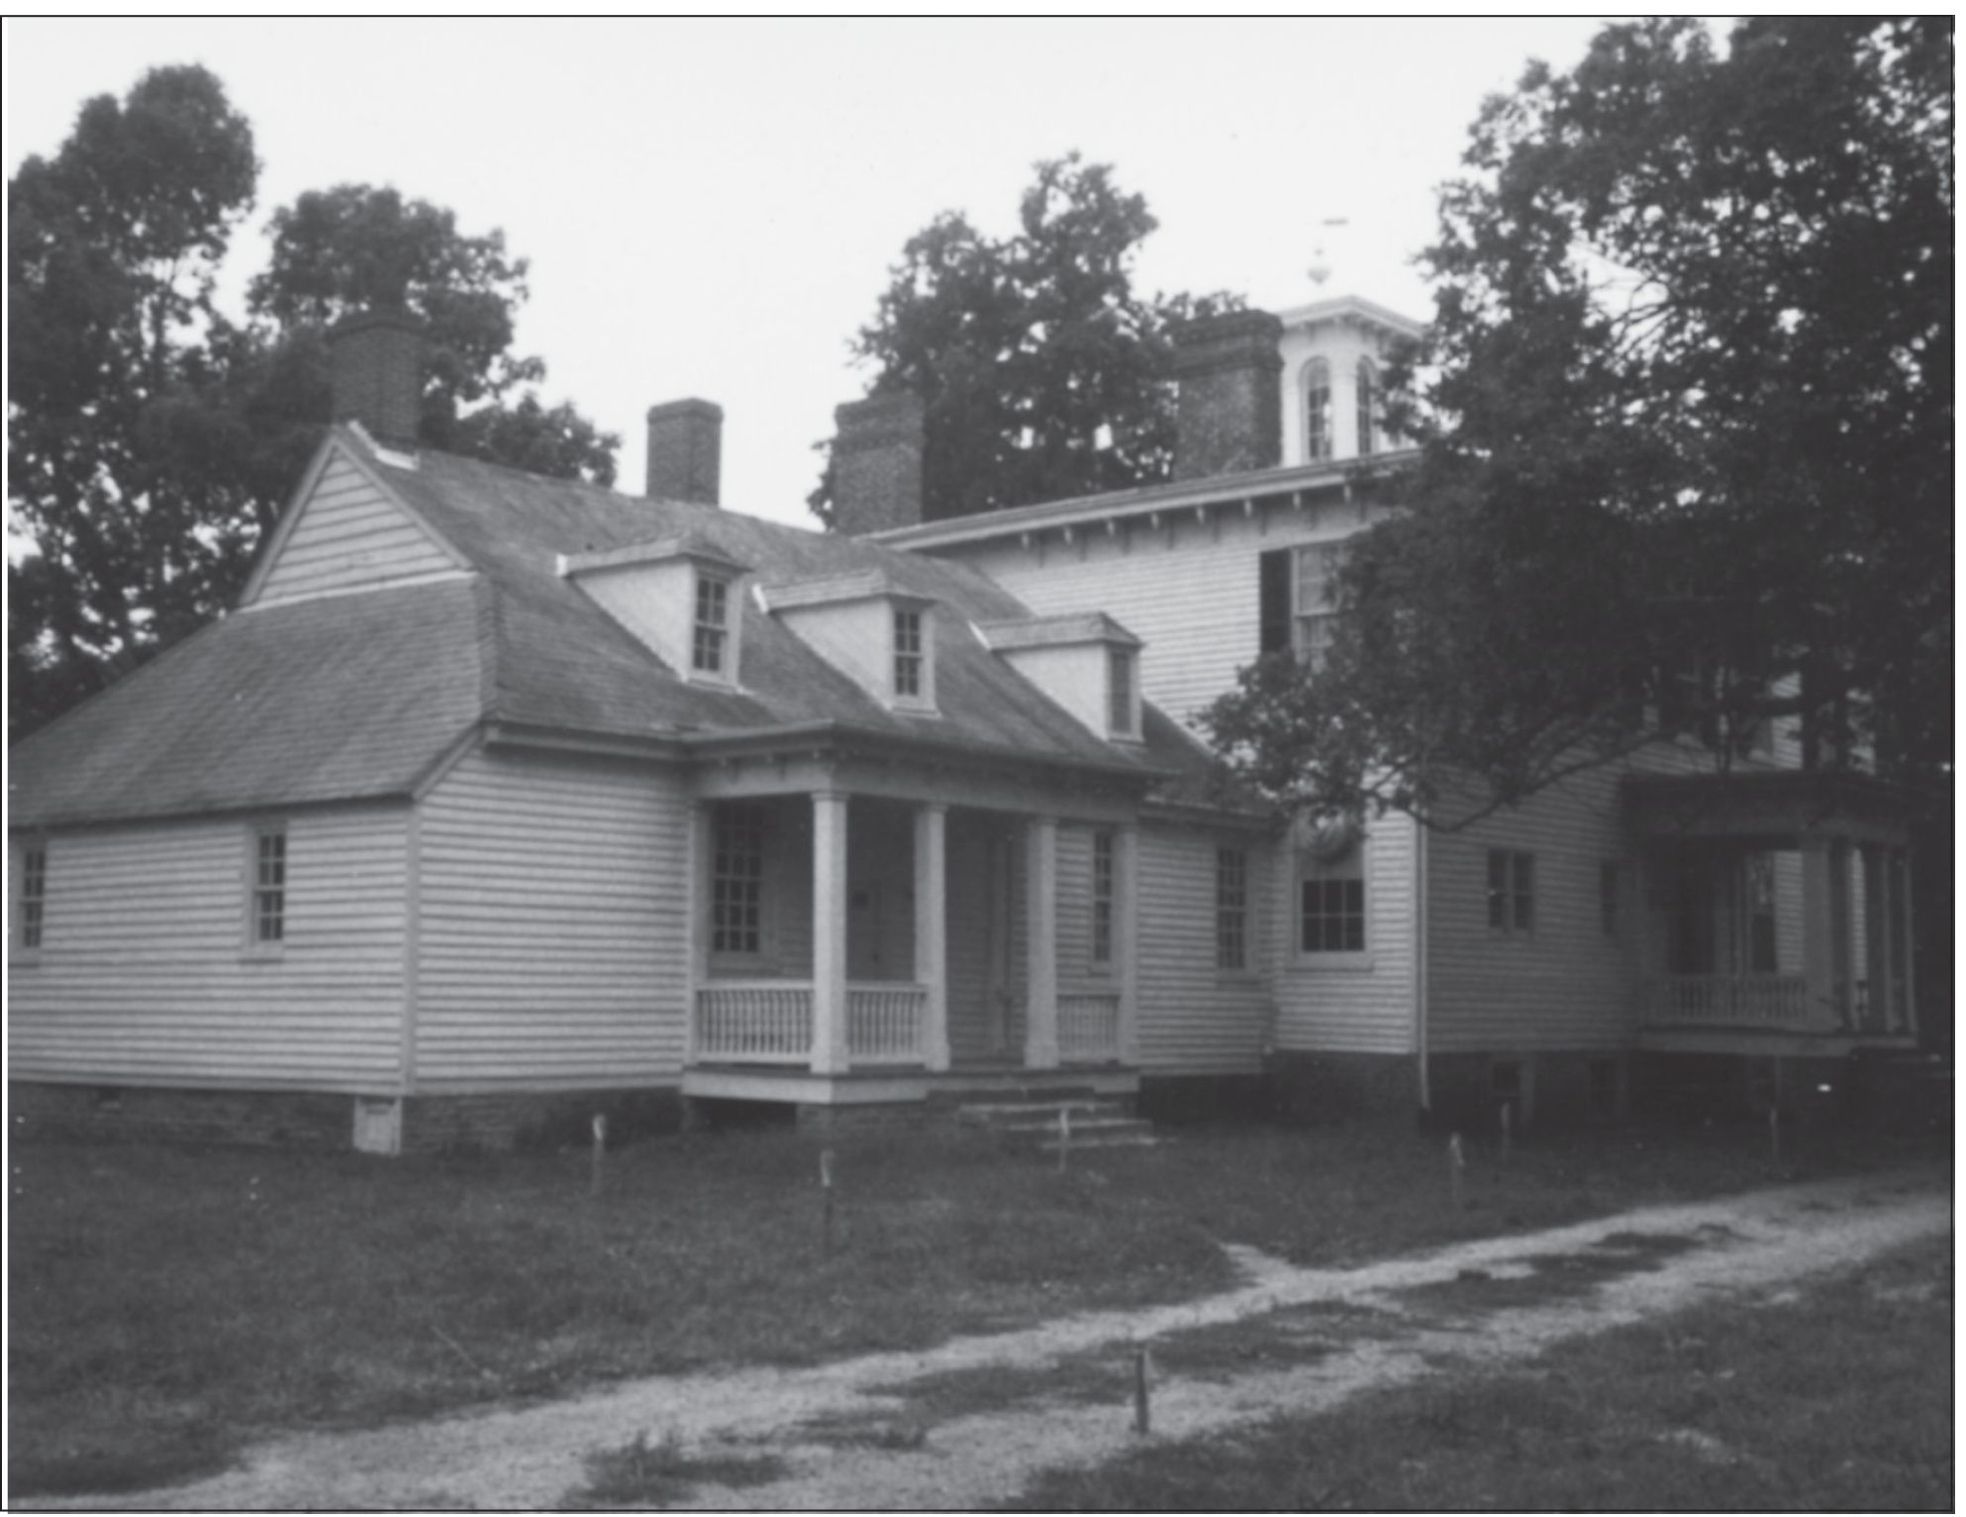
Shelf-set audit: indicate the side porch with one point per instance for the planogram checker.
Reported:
(1776, 914)
(855, 948)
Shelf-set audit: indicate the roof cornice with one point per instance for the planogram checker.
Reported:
(1200, 495)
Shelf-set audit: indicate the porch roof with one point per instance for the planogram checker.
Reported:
(1793, 803)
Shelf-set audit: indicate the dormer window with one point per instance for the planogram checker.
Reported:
(1317, 411)
(1368, 405)
(907, 653)
(711, 634)
(679, 596)
(1123, 707)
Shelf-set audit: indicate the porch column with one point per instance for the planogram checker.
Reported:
(1818, 933)
(1126, 939)
(1841, 972)
(829, 899)
(1902, 937)
(931, 930)
(1041, 943)
(1877, 937)
(697, 968)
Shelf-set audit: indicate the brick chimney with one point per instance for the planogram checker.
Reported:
(1229, 412)
(375, 360)
(877, 463)
(686, 439)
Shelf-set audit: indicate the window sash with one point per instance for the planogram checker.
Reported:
(1315, 599)
(1511, 891)
(712, 627)
(33, 896)
(1368, 405)
(1231, 909)
(1331, 914)
(1102, 897)
(270, 886)
(1119, 689)
(908, 653)
(1317, 411)
(737, 876)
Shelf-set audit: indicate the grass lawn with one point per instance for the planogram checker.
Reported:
(167, 1304)
(1839, 1400)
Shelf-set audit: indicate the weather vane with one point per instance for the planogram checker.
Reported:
(1320, 269)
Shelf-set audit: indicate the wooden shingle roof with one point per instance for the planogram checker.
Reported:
(358, 695)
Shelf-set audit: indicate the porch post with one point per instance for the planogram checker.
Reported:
(1877, 935)
(931, 930)
(1126, 938)
(829, 1012)
(697, 967)
(1840, 923)
(1818, 952)
(1041, 943)
(1903, 936)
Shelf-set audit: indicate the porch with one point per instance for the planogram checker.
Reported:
(862, 948)
(1777, 913)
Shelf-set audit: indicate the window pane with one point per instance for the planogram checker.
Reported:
(1119, 671)
(1102, 897)
(1317, 411)
(33, 895)
(1231, 906)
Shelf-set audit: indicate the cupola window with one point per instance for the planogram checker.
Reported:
(1368, 405)
(1317, 411)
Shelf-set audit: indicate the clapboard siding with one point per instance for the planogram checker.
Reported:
(1188, 590)
(552, 936)
(349, 536)
(1347, 1003)
(1567, 984)
(144, 979)
(1196, 1019)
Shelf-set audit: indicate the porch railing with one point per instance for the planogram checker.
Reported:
(770, 1022)
(1089, 1027)
(1727, 1000)
(884, 1023)
(754, 1021)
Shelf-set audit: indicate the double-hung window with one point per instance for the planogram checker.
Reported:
(1331, 904)
(1120, 718)
(1231, 909)
(269, 898)
(737, 881)
(908, 653)
(1368, 406)
(710, 634)
(33, 898)
(1316, 603)
(1102, 898)
(1317, 411)
(1511, 891)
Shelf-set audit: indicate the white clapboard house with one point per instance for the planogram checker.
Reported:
(498, 800)
(1648, 913)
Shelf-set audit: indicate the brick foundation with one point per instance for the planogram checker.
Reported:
(126, 1114)
(320, 1120)
(1342, 1087)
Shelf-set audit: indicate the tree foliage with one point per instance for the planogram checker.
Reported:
(1686, 422)
(152, 440)
(1042, 373)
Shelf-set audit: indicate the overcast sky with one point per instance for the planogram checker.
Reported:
(711, 207)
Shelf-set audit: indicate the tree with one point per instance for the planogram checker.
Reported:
(1686, 435)
(113, 249)
(1041, 373)
(151, 440)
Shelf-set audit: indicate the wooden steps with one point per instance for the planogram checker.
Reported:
(1042, 1122)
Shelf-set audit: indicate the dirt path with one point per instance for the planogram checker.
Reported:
(971, 1420)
